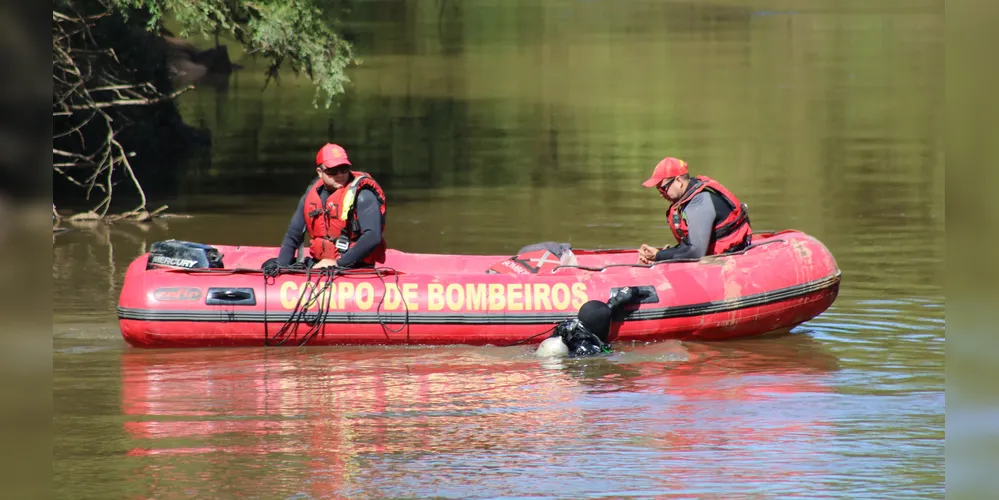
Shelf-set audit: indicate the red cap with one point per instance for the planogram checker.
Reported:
(668, 167)
(331, 155)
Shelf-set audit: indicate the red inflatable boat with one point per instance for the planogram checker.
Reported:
(205, 296)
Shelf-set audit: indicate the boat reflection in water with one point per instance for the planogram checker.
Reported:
(374, 421)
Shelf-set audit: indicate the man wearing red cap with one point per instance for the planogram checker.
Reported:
(344, 214)
(705, 218)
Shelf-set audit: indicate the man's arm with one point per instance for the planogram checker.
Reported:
(294, 237)
(700, 214)
(369, 217)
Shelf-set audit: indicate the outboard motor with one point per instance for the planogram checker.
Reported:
(178, 254)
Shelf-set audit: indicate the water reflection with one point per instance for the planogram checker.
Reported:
(92, 256)
(373, 421)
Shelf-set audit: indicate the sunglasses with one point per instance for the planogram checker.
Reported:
(663, 189)
(339, 169)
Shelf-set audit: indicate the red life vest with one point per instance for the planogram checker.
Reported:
(731, 233)
(339, 218)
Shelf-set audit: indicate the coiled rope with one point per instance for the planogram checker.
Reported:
(315, 294)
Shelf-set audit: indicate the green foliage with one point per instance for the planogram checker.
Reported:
(298, 33)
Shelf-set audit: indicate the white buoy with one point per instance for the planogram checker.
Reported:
(552, 347)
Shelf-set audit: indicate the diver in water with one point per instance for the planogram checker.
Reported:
(587, 333)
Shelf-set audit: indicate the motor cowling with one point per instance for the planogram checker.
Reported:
(177, 254)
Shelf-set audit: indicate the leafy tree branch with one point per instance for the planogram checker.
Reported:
(105, 87)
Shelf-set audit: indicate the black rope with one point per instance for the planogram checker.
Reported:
(536, 335)
(266, 332)
(330, 274)
(323, 280)
(378, 312)
(319, 283)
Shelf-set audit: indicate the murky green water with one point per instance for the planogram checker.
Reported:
(497, 124)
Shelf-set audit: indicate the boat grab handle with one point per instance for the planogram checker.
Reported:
(231, 296)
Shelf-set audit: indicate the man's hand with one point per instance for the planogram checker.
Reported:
(325, 263)
(647, 254)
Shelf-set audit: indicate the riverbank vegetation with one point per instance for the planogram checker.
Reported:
(117, 71)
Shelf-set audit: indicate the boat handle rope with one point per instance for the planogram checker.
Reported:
(661, 262)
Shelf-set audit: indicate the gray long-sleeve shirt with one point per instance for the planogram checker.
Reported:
(369, 219)
(701, 215)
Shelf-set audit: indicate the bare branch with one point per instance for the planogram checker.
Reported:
(73, 180)
(130, 102)
(59, 16)
(117, 87)
(128, 170)
(69, 154)
(75, 128)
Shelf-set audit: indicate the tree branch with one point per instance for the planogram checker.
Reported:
(129, 102)
(69, 154)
